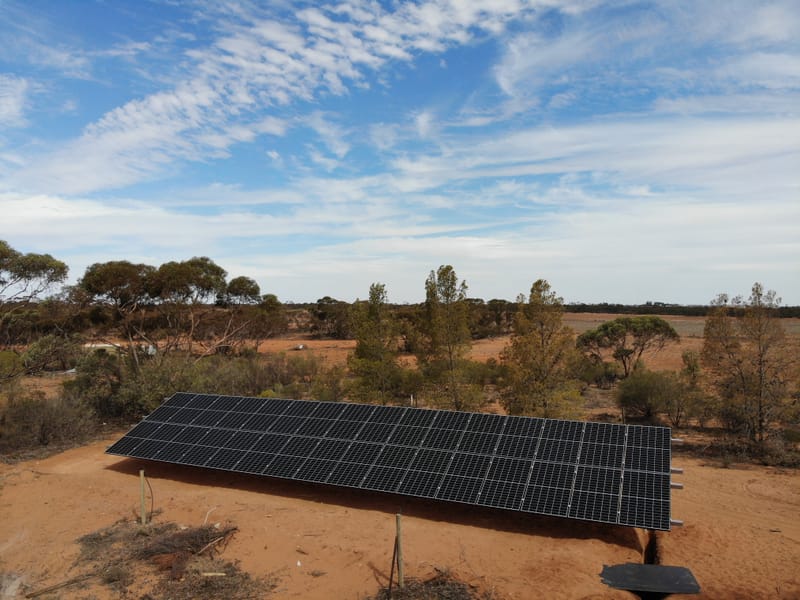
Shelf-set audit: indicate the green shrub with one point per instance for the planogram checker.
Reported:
(33, 420)
(644, 393)
(11, 365)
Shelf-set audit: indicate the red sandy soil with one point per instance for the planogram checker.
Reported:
(741, 537)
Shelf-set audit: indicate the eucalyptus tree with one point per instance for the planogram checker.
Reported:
(374, 360)
(539, 356)
(24, 278)
(124, 286)
(185, 292)
(749, 360)
(627, 338)
(243, 290)
(445, 339)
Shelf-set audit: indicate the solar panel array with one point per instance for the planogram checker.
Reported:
(603, 472)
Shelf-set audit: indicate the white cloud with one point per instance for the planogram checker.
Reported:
(425, 123)
(767, 70)
(13, 100)
(332, 135)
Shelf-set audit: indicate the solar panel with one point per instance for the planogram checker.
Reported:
(602, 472)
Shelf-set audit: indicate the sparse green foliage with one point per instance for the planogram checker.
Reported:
(330, 318)
(539, 358)
(627, 338)
(11, 365)
(373, 364)
(691, 401)
(266, 320)
(32, 420)
(749, 361)
(645, 393)
(329, 384)
(119, 283)
(52, 352)
(23, 279)
(192, 281)
(445, 340)
(243, 290)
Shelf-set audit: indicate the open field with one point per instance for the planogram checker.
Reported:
(689, 328)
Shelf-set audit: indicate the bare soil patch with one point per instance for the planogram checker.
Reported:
(741, 538)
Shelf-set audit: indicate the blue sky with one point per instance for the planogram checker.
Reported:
(625, 151)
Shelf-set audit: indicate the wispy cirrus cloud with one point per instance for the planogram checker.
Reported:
(257, 63)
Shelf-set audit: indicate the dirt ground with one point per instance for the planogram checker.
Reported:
(741, 537)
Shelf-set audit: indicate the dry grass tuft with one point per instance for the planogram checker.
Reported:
(442, 586)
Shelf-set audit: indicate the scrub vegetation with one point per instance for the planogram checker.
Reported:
(127, 335)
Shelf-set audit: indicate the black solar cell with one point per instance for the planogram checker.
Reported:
(442, 438)
(357, 412)
(418, 417)
(396, 456)
(346, 430)
(601, 455)
(330, 449)
(359, 452)
(546, 501)
(484, 423)
(283, 466)
(226, 459)
(383, 479)
(191, 435)
(254, 462)
(516, 446)
(386, 414)
(243, 440)
(314, 427)
(598, 480)
(594, 507)
(468, 465)
(509, 469)
(329, 410)
(501, 494)
(446, 419)
(435, 461)
(408, 436)
(315, 469)
(459, 489)
(604, 472)
(523, 426)
(552, 475)
(375, 432)
(348, 474)
(199, 455)
(286, 424)
(167, 432)
(478, 442)
(422, 484)
(273, 442)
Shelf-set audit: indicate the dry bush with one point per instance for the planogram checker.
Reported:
(442, 586)
(190, 555)
(31, 421)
